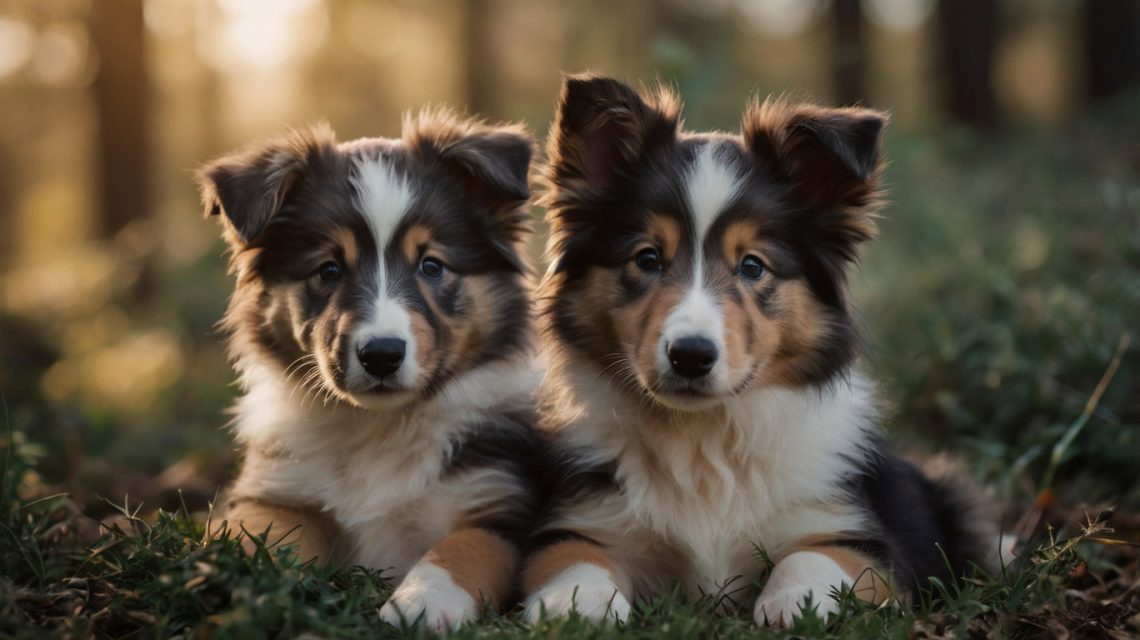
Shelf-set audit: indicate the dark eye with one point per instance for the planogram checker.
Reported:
(329, 272)
(751, 267)
(648, 260)
(432, 268)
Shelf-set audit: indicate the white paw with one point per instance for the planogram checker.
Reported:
(795, 579)
(585, 588)
(429, 591)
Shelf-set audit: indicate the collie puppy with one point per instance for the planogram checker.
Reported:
(380, 327)
(703, 393)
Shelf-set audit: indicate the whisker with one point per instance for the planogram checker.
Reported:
(299, 362)
(308, 378)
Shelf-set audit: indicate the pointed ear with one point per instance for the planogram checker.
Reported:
(248, 187)
(602, 126)
(830, 156)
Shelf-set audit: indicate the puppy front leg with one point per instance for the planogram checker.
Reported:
(312, 534)
(815, 570)
(467, 569)
(575, 575)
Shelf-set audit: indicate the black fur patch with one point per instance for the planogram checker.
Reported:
(568, 480)
(509, 444)
(921, 524)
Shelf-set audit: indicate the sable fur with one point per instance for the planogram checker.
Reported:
(403, 464)
(740, 242)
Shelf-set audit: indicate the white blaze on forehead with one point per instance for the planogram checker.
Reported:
(383, 197)
(712, 185)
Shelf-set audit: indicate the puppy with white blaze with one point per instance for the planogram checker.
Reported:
(703, 392)
(381, 330)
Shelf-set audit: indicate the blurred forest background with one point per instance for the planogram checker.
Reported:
(1006, 274)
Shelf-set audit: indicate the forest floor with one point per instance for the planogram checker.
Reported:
(1000, 303)
(67, 576)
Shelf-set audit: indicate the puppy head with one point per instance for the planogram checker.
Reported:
(374, 271)
(695, 267)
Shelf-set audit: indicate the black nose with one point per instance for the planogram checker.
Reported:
(382, 356)
(692, 357)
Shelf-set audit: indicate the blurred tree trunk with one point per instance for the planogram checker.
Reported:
(968, 35)
(122, 108)
(480, 58)
(7, 208)
(849, 53)
(1111, 33)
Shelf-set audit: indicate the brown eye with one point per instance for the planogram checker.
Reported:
(329, 272)
(751, 267)
(647, 260)
(431, 268)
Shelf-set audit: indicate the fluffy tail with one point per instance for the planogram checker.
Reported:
(932, 522)
(969, 518)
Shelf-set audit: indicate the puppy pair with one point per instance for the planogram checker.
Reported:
(702, 412)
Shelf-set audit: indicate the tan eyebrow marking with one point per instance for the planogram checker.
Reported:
(346, 239)
(741, 238)
(665, 230)
(415, 238)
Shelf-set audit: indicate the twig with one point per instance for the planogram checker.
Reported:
(1078, 425)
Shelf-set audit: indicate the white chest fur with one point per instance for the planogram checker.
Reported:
(763, 471)
(379, 475)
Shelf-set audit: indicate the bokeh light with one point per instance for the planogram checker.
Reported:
(898, 15)
(17, 45)
(261, 35)
(782, 18)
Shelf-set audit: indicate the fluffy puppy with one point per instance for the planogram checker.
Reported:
(381, 331)
(703, 392)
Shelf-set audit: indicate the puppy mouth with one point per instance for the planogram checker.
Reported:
(366, 386)
(684, 389)
(385, 395)
(386, 388)
(685, 395)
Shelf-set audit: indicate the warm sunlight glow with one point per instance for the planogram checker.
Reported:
(375, 29)
(262, 35)
(62, 54)
(781, 18)
(898, 15)
(169, 17)
(17, 41)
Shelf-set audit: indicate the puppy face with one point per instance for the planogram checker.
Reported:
(698, 267)
(374, 271)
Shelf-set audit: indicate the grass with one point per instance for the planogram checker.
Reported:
(66, 576)
(71, 577)
(998, 294)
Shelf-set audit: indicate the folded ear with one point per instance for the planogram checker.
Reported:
(248, 187)
(602, 127)
(492, 162)
(830, 156)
